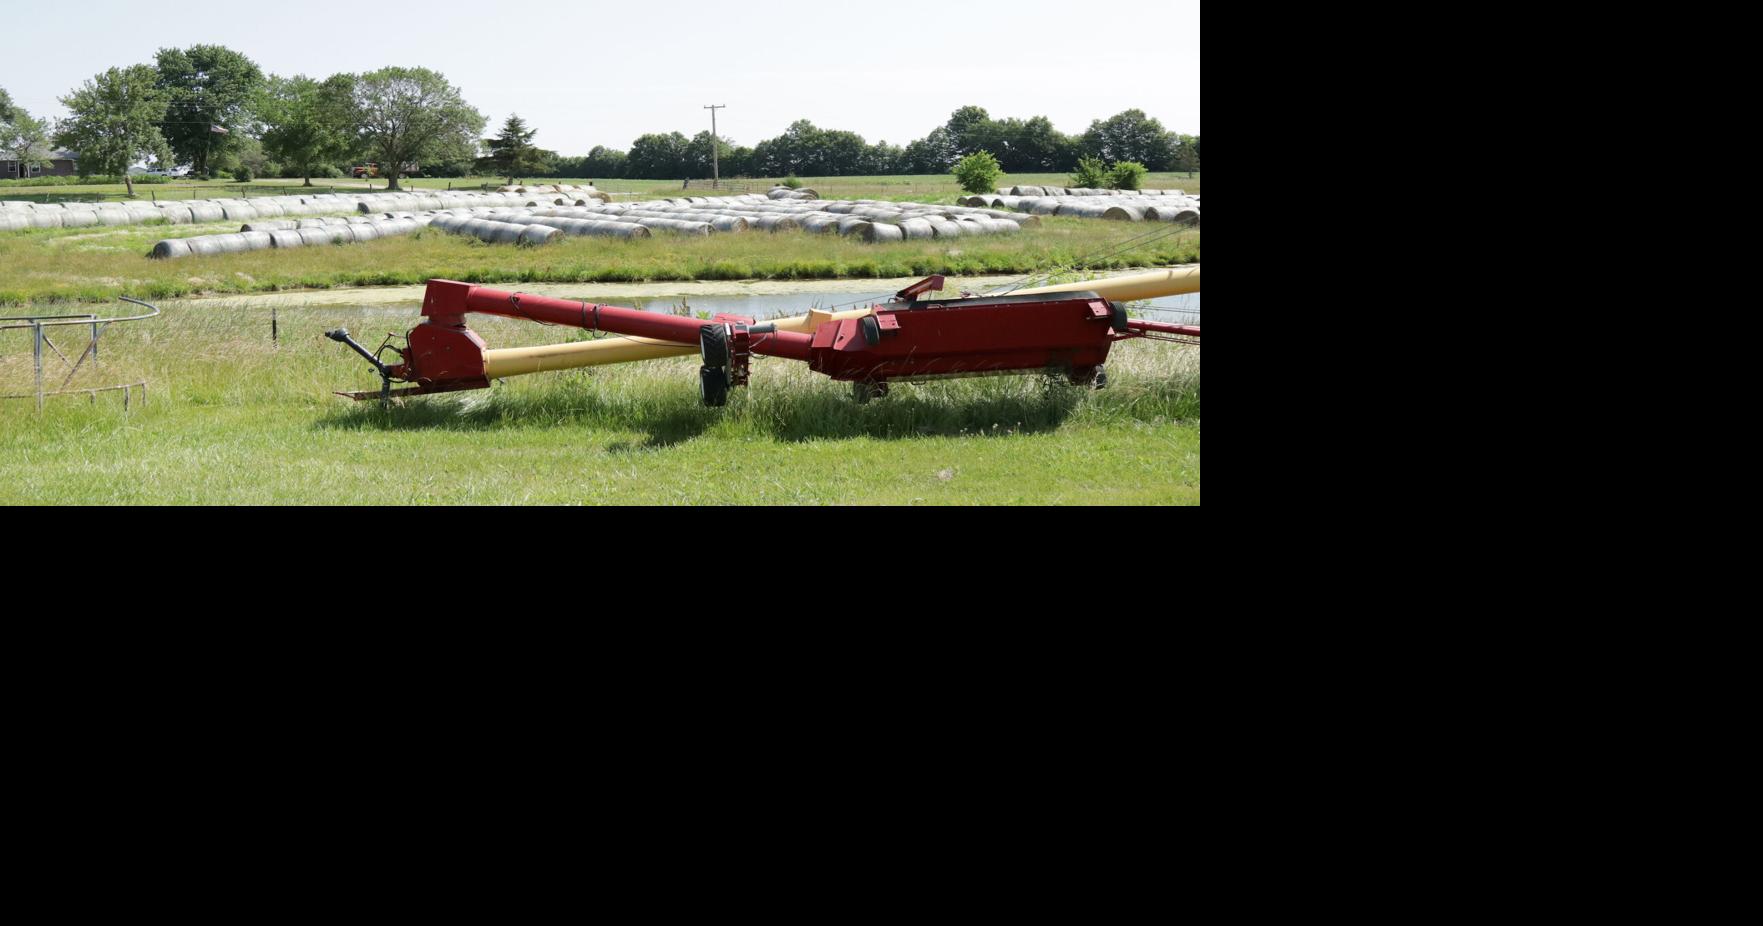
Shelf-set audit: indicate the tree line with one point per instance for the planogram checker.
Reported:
(804, 149)
(215, 110)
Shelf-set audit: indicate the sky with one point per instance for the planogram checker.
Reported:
(588, 74)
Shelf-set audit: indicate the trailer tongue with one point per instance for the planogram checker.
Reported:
(1066, 334)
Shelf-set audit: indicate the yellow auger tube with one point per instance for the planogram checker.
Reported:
(1173, 282)
(518, 361)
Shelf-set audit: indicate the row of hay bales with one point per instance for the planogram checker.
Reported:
(1081, 191)
(435, 201)
(784, 192)
(1121, 207)
(17, 216)
(307, 232)
(868, 220)
(498, 225)
(559, 188)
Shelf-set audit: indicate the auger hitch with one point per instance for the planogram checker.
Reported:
(1063, 334)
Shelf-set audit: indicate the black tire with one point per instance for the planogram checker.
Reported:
(1101, 378)
(1119, 320)
(862, 392)
(713, 386)
(871, 329)
(713, 344)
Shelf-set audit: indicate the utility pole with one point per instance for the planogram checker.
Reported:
(715, 167)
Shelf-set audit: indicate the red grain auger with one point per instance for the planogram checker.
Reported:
(1065, 334)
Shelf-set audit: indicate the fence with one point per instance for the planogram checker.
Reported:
(38, 325)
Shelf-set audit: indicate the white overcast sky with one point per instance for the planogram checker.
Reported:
(587, 73)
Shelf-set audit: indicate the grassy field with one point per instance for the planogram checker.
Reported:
(235, 419)
(44, 266)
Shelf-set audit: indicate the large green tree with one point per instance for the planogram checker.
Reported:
(406, 116)
(513, 154)
(211, 91)
(1131, 136)
(114, 121)
(307, 123)
(23, 138)
(658, 157)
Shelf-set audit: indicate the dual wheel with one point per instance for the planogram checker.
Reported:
(713, 375)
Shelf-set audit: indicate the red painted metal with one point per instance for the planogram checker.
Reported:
(1066, 333)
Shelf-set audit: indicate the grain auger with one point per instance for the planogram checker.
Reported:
(1065, 333)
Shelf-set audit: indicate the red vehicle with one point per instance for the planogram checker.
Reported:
(372, 170)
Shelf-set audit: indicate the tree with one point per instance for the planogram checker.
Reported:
(23, 138)
(8, 111)
(1091, 174)
(658, 157)
(933, 154)
(1037, 146)
(405, 116)
(513, 152)
(1187, 153)
(114, 121)
(307, 122)
(1131, 136)
(971, 129)
(211, 91)
(606, 163)
(978, 172)
(697, 156)
(1127, 175)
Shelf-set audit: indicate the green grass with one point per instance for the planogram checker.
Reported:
(45, 266)
(233, 419)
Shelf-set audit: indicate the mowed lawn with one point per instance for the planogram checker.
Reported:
(235, 419)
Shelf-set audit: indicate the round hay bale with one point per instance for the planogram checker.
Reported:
(170, 249)
(328, 235)
(917, 228)
(538, 234)
(1123, 214)
(286, 238)
(881, 232)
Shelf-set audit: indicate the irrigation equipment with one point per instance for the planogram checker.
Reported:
(1065, 334)
(43, 326)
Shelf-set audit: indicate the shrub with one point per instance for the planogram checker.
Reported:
(1127, 175)
(328, 172)
(1090, 174)
(243, 174)
(792, 182)
(978, 172)
(77, 181)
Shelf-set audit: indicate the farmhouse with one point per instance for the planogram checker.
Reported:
(63, 164)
